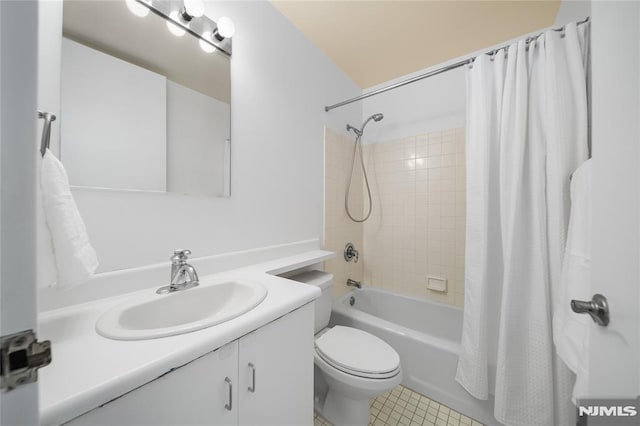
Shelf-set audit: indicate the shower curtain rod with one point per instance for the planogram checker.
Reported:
(467, 61)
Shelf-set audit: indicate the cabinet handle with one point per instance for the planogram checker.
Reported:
(229, 406)
(252, 388)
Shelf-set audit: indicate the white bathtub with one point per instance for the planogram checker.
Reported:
(427, 337)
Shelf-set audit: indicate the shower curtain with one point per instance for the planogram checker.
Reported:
(527, 132)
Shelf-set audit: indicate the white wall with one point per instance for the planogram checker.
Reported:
(113, 121)
(280, 83)
(49, 54)
(197, 128)
(433, 104)
(49, 69)
(572, 10)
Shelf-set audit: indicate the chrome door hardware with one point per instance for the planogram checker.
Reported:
(252, 388)
(598, 308)
(21, 355)
(350, 253)
(229, 405)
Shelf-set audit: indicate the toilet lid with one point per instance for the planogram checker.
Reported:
(358, 351)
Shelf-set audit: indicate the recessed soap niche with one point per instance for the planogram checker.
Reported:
(437, 284)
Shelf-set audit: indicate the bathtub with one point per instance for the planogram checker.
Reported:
(427, 337)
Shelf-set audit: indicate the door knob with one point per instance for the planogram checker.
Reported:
(598, 308)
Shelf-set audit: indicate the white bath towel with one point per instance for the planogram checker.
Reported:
(75, 258)
(46, 258)
(571, 330)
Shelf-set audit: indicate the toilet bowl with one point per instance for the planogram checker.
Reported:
(351, 365)
(356, 366)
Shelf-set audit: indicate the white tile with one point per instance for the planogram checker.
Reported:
(434, 161)
(434, 149)
(417, 226)
(448, 184)
(448, 147)
(435, 137)
(448, 172)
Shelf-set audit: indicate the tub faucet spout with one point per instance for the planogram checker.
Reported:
(354, 283)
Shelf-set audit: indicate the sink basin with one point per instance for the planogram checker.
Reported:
(180, 312)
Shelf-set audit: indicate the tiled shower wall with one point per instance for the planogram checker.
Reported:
(417, 226)
(338, 228)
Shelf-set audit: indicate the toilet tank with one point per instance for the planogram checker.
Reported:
(322, 305)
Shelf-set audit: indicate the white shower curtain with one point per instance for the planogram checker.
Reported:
(526, 133)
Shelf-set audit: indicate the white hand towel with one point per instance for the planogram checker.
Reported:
(76, 259)
(46, 258)
(571, 330)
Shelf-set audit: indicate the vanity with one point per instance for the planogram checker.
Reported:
(256, 368)
(259, 378)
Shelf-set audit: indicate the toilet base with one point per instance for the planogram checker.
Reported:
(343, 398)
(343, 410)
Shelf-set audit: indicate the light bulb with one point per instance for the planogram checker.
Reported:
(137, 9)
(207, 47)
(226, 28)
(194, 8)
(173, 28)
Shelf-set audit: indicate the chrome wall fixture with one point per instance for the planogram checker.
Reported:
(353, 283)
(46, 130)
(188, 16)
(350, 253)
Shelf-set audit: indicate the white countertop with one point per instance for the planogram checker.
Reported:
(89, 370)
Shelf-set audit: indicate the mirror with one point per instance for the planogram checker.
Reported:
(141, 108)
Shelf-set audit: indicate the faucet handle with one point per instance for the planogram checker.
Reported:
(180, 256)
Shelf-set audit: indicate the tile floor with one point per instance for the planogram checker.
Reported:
(402, 406)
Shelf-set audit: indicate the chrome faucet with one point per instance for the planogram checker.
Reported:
(353, 283)
(350, 253)
(183, 275)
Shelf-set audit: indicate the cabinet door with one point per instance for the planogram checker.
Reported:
(276, 372)
(197, 393)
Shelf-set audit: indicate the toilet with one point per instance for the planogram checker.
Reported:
(351, 365)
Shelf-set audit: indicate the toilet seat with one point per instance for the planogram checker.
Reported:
(358, 353)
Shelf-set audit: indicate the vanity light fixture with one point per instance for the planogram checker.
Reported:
(137, 8)
(174, 28)
(189, 18)
(225, 29)
(205, 44)
(192, 9)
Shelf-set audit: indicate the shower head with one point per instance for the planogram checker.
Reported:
(375, 117)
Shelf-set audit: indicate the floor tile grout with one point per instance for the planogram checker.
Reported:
(403, 406)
